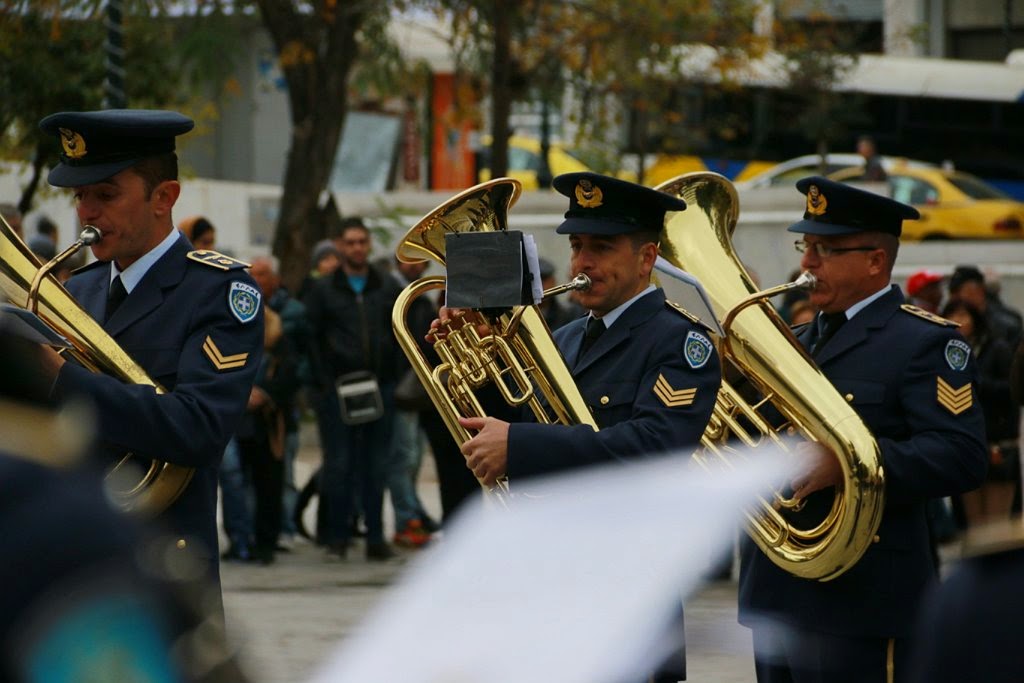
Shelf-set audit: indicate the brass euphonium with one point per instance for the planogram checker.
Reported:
(760, 346)
(28, 284)
(518, 357)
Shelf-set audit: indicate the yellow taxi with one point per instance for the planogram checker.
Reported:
(953, 204)
(524, 160)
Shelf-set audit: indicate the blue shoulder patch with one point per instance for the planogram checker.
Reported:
(244, 301)
(697, 349)
(957, 354)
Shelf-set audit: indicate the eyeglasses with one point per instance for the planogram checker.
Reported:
(825, 251)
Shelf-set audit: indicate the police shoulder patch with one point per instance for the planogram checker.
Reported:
(928, 315)
(244, 301)
(957, 354)
(697, 349)
(217, 260)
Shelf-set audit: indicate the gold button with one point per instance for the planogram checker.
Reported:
(877, 538)
(181, 544)
(604, 400)
(849, 397)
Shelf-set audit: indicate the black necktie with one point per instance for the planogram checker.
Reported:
(115, 296)
(595, 328)
(828, 324)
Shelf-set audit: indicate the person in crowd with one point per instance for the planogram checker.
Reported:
(908, 375)
(801, 312)
(261, 434)
(647, 369)
(994, 359)
(324, 260)
(295, 326)
(48, 229)
(791, 298)
(924, 289)
(199, 231)
(42, 247)
(193, 321)
(967, 283)
(873, 170)
(413, 526)
(9, 212)
(350, 319)
(557, 311)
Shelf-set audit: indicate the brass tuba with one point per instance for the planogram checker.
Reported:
(761, 347)
(27, 283)
(518, 357)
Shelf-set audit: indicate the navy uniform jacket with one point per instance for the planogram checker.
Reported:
(894, 364)
(645, 394)
(178, 325)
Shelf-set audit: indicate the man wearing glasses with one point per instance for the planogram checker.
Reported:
(910, 377)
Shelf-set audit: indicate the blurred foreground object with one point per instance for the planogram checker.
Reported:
(574, 585)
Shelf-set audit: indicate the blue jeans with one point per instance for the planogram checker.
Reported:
(234, 498)
(404, 468)
(356, 458)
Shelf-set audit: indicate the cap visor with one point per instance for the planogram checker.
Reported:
(809, 227)
(63, 175)
(594, 226)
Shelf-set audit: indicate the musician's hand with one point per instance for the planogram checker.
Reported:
(487, 452)
(445, 316)
(817, 468)
(50, 363)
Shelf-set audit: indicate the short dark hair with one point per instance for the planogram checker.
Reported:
(349, 223)
(642, 237)
(964, 274)
(157, 169)
(957, 305)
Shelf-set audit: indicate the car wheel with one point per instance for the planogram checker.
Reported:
(935, 237)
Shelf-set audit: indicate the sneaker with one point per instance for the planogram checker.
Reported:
(379, 552)
(338, 549)
(413, 535)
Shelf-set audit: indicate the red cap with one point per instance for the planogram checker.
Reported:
(920, 280)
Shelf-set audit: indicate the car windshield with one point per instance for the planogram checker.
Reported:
(975, 188)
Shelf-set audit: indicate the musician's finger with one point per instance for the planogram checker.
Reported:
(475, 423)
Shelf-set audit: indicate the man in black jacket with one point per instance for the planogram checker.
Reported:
(350, 319)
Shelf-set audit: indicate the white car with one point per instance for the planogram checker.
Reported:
(786, 173)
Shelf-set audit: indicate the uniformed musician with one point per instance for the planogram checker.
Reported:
(192, 319)
(910, 377)
(647, 370)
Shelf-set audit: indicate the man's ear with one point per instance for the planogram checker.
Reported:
(164, 196)
(648, 255)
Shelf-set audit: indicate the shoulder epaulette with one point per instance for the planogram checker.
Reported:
(929, 316)
(686, 314)
(217, 260)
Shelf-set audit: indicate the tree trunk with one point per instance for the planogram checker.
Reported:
(316, 52)
(29, 193)
(501, 87)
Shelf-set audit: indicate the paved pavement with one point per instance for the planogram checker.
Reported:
(287, 617)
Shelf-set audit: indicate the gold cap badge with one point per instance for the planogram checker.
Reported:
(816, 202)
(73, 144)
(588, 195)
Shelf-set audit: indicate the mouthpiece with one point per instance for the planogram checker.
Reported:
(90, 235)
(806, 280)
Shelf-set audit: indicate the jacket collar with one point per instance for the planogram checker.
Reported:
(619, 333)
(859, 328)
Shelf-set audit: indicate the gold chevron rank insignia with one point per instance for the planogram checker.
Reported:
(673, 398)
(219, 360)
(955, 401)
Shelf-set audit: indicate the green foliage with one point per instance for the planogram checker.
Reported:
(52, 59)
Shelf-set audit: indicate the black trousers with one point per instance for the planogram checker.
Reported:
(785, 654)
(267, 475)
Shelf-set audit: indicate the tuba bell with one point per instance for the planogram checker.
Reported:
(759, 345)
(519, 357)
(27, 283)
